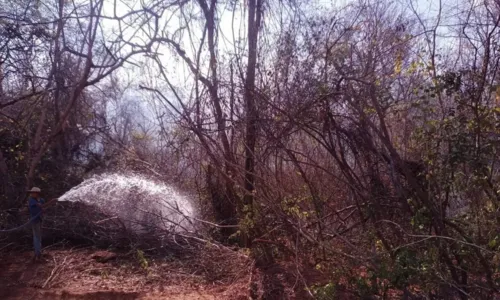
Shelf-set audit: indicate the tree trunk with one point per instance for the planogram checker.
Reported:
(254, 18)
(4, 178)
(231, 198)
(224, 210)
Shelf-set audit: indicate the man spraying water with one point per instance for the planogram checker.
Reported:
(35, 206)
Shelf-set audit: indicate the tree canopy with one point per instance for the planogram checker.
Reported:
(349, 139)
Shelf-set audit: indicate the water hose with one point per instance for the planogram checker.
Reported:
(21, 226)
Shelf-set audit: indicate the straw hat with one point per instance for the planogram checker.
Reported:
(35, 190)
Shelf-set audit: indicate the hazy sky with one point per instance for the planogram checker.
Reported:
(232, 32)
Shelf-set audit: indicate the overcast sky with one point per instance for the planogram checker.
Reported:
(233, 25)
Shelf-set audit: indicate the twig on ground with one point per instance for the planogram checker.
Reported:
(51, 273)
(299, 274)
(54, 245)
(54, 271)
(108, 219)
(97, 269)
(64, 264)
(9, 244)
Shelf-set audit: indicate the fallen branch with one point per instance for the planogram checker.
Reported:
(54, 272)
(108, 219)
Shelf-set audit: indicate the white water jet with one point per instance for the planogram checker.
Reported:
(140, 203)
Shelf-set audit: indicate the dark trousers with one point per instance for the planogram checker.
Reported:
(37, 237)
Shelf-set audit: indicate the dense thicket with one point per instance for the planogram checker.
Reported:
(358, 140)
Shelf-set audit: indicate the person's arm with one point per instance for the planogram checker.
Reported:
(33, 202)
(39, 203)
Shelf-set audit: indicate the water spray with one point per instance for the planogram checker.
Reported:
(139, 202)
(136, 200)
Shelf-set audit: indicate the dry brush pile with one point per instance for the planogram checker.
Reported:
(75, 224)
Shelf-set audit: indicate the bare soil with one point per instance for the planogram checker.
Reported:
(92, 274)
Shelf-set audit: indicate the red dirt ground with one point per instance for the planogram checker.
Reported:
(81, 274)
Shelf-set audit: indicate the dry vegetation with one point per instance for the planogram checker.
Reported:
(91, 255)
(348, 151)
